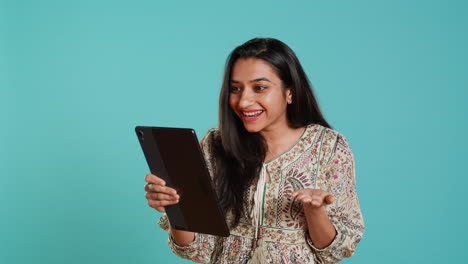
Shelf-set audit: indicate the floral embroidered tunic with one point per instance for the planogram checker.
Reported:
(320, 159)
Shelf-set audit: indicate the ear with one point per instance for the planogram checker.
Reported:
(289, 96)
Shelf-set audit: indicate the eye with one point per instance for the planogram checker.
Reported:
(234, 89)
(260, 88)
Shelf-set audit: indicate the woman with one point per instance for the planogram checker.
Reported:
(285, 178)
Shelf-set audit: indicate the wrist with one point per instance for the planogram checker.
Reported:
(313, 210)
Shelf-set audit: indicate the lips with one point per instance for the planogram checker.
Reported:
(251, 115)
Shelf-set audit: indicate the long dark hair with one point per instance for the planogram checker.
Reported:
(239, 153)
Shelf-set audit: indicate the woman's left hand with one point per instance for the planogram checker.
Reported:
(314, 198)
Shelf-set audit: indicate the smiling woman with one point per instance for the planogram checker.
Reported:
(257, 95)
(285, 178)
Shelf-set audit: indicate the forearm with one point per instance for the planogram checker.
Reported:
(321, 230)
(182, 238)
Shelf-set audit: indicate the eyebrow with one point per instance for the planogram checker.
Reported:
(254, 80)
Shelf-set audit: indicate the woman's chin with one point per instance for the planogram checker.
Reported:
(252, 128)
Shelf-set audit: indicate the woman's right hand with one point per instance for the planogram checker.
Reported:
(158, 194)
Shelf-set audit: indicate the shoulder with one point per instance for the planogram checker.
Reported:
(213, 131)
(330, 136)
(210, 140)
(333, 143)
(210, 135)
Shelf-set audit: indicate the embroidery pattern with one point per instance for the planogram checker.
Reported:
(320, 159)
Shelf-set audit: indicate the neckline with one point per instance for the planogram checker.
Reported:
(292, 147)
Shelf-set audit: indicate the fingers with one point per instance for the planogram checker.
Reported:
(315, 201)
(151, 178)
(157, 203)
(161, 196)
(314, 197)
(329, 199)
(159, 200)
(294, 194)
(160, 189)
(156, 184)
(158, 194)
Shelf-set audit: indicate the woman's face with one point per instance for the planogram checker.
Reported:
(256, 95)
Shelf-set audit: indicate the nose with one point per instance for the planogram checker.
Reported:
(246, 99)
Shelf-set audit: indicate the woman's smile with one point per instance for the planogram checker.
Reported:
(251, 115)
(257, 95)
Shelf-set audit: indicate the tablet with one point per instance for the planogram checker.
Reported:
(174, 154)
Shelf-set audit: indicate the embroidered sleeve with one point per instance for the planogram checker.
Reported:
(202, 248)
(337, 176)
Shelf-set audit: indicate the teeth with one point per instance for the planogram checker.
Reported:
(252, 114)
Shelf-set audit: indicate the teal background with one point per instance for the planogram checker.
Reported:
(77, 76)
